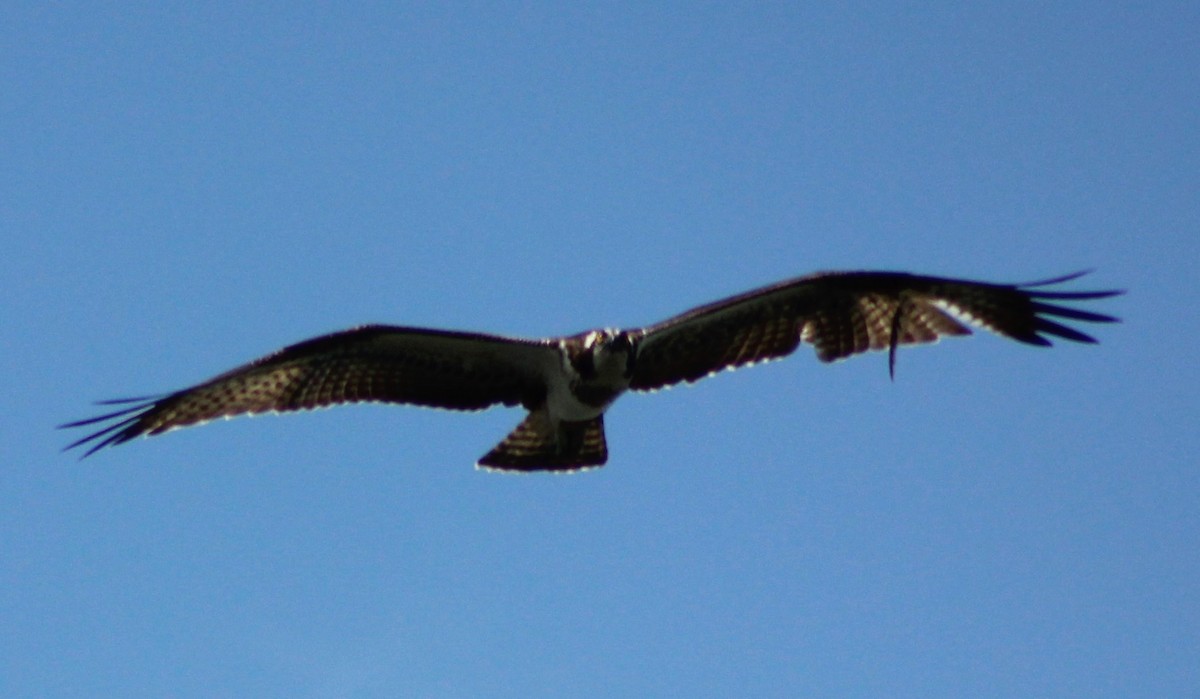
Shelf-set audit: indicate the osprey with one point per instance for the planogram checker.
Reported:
(567, 383)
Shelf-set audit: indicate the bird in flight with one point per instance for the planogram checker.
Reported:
(567, 383)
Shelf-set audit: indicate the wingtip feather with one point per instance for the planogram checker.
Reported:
(117, 433)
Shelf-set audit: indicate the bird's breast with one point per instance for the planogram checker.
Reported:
(574, 399)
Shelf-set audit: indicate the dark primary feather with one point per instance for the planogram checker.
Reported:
(845, 313)
(459, 371)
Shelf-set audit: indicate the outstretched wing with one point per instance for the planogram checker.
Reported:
(845, 313)
(375, 363)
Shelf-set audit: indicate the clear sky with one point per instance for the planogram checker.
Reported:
(184, 188)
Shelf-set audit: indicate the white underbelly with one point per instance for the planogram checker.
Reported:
(563, 405)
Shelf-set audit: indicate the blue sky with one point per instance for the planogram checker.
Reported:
(187, 187)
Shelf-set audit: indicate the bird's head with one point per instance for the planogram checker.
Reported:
(611, 353)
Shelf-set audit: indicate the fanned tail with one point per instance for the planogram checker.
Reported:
(538, 445)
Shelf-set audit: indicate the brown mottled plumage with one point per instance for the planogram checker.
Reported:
(567, 383)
